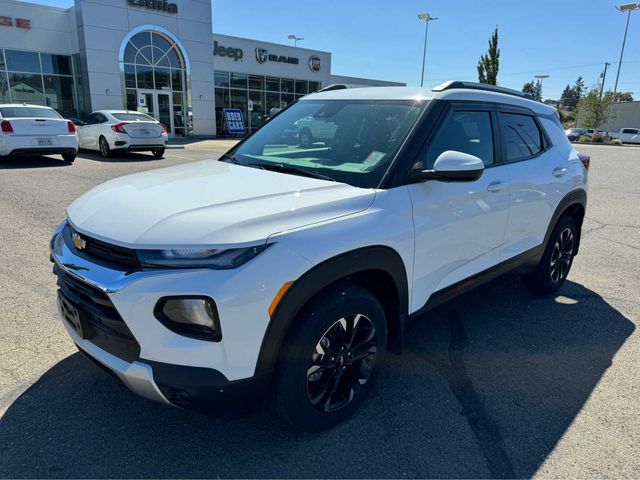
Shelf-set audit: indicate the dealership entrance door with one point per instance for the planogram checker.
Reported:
(158, 105)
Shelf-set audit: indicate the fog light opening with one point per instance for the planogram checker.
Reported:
(195, 317)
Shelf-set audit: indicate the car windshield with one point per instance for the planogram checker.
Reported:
(133, 117)
(349, 141)
(576, 130)
(28, 112)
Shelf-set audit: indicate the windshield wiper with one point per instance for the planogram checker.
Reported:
(232, 159)
(281, 167)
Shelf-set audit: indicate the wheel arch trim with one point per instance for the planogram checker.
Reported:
(573, 198)
(322, 276)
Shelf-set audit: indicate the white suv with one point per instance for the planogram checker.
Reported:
(296, 268)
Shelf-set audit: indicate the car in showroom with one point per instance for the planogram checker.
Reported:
(278, 268)
(36, 130)
(117, 131)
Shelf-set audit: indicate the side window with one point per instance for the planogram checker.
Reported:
(100, 118)
(467, 132)
(90, 120)
(521, 136)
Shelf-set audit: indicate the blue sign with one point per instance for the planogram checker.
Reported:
(235, 122)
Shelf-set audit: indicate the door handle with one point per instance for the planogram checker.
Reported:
(559, 172)
(495, 187)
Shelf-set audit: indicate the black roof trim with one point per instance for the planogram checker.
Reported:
(452, 84)
(335, 86)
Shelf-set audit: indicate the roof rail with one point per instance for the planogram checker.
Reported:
(335, 86)
(452, 84)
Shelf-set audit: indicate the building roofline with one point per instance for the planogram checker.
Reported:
(41, 5)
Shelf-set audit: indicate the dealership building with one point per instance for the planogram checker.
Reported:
(155, 56)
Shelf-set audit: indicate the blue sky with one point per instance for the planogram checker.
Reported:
(383, 39)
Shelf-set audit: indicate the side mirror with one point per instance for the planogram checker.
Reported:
(451, 166)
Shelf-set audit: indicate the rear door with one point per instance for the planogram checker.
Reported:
(86, 132)
(459, 226)
(539, 172)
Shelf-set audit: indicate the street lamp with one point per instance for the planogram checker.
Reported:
(629, 7)
(427, 18)
(295, 39)
(541, 78)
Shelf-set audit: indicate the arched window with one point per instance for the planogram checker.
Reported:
(153, 61)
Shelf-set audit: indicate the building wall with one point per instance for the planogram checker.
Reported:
(102, 28)
(625, 115)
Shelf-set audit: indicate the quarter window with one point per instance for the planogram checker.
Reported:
(466, 132)
(521, 136)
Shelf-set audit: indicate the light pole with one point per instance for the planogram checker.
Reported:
(427, 18)
(629, 7)
(295, 39)
(541, 78)
(603, 76)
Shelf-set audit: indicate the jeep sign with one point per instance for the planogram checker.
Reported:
(222, 51)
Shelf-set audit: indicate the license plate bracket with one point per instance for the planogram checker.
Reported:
(72, 315)
(44, 142)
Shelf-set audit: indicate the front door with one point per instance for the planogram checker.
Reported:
(158, 105)
(459, 226)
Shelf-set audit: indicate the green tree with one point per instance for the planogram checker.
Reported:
(594, 111)
(489, 64)
(533, 88)
(572, 95)
(579, 89)
(624, 96)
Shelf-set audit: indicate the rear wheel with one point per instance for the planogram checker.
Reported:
(105, 150)
(69, 157)
(305, 137)
(331, 358)
(557, 259)
(158, 152)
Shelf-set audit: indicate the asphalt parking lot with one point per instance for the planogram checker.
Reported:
(499, 383)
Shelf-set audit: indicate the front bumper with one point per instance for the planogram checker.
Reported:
(168, 367)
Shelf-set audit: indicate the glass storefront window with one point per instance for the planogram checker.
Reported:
(176, 79)
(302, 87)
(58, 92)
(18, 61)
(273, 84)
(2, 66)
(286, 85)
(257, 114)
(144, 75)
(273, 101)
(222, 101)
(132, 102)
(57, 64)
(314, 86)
(26, 87)
(221, 79)
(130, 76)
(256, 82)
(4, 87)
(286, 99)
(162, 78)
(238, 80)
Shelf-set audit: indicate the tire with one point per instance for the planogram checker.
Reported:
(158, 153)
(69, 157)
(556, 261)
(105, 150)
(308, 361)
(305, 138)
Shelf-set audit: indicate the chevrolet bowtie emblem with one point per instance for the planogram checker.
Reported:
(78, 241)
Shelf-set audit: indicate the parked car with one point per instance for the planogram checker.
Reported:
(110, 131)
(629, 135)
(296, 270)
(574, 134)
(36, 130)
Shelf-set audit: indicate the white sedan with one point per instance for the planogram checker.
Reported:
(110, 131)
(36, 130)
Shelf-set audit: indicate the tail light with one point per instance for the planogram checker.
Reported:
(585, 159)
(164, 128)
(6, 127)
(71, 126)
(118, 127)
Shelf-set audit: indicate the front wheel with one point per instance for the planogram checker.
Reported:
(305, 138)
(158, 152)
(331, 358)
(553, 269)
(105, 150)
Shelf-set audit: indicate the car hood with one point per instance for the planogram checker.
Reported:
(209, 203)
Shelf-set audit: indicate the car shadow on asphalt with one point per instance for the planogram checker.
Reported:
(486, 387)
(118, 157)
(35, 161)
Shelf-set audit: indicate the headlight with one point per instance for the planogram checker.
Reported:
(218, 259)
